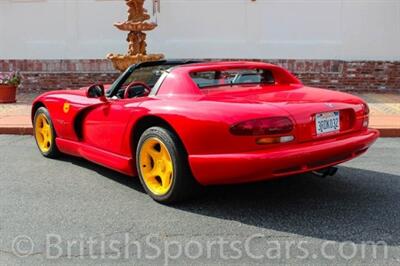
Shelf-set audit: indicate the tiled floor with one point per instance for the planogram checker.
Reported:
(383, 104)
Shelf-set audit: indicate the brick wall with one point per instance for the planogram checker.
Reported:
(356, 76)
(41, 75)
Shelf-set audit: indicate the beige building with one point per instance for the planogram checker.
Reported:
(350, 45)
(301, 29)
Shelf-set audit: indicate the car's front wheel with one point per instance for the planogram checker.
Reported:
(163, 167)
(45, 134)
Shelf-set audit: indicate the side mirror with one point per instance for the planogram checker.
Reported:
(96, 91)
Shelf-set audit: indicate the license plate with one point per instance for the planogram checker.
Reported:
(327, 122)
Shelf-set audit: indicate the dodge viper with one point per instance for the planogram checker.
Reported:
(182, 125)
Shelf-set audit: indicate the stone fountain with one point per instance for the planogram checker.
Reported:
(137, 24)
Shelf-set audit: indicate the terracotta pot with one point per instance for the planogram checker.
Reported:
(8, 94)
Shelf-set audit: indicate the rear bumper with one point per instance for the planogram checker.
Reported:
(279, 161)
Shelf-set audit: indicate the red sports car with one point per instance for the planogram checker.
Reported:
(180, 125)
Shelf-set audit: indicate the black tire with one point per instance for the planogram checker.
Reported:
(183, 185)
(53, 151)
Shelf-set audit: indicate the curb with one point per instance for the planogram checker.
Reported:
(28, 130)
(16, 130)
(389, 132)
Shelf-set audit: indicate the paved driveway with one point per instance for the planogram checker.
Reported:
(70, 211)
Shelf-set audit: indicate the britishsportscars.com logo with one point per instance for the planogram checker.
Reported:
(257, 247)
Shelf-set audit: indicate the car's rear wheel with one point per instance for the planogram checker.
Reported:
(163, 167)
(44, 133)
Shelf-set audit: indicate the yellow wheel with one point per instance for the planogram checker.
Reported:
(44, 133)
(156, 166)
(163, 166)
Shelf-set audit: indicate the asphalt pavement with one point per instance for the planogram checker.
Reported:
(70, 211)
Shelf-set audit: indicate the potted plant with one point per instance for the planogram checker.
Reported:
(8, 86)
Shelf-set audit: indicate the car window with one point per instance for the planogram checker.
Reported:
(147, 75)
(248, 78)
(205, 79)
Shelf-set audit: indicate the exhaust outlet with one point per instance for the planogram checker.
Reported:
(330, 171)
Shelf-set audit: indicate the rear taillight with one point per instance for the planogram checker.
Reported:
(366, 115)
(264, 126)
(366, 122)
(366, 109)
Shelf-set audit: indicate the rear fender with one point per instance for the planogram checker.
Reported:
(204, 127)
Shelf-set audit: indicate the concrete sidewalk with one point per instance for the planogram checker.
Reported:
(16, 118)
(385, 114)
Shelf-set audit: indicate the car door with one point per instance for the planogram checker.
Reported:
(104, 127)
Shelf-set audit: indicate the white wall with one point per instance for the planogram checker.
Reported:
(301, 29)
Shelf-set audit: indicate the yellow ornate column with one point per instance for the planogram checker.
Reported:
(136, 25)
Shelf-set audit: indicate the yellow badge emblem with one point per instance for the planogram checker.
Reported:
(66, 107)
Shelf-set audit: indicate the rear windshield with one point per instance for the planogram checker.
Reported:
(206, 79)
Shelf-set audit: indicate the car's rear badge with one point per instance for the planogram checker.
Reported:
(66, 107)
(331, 105)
